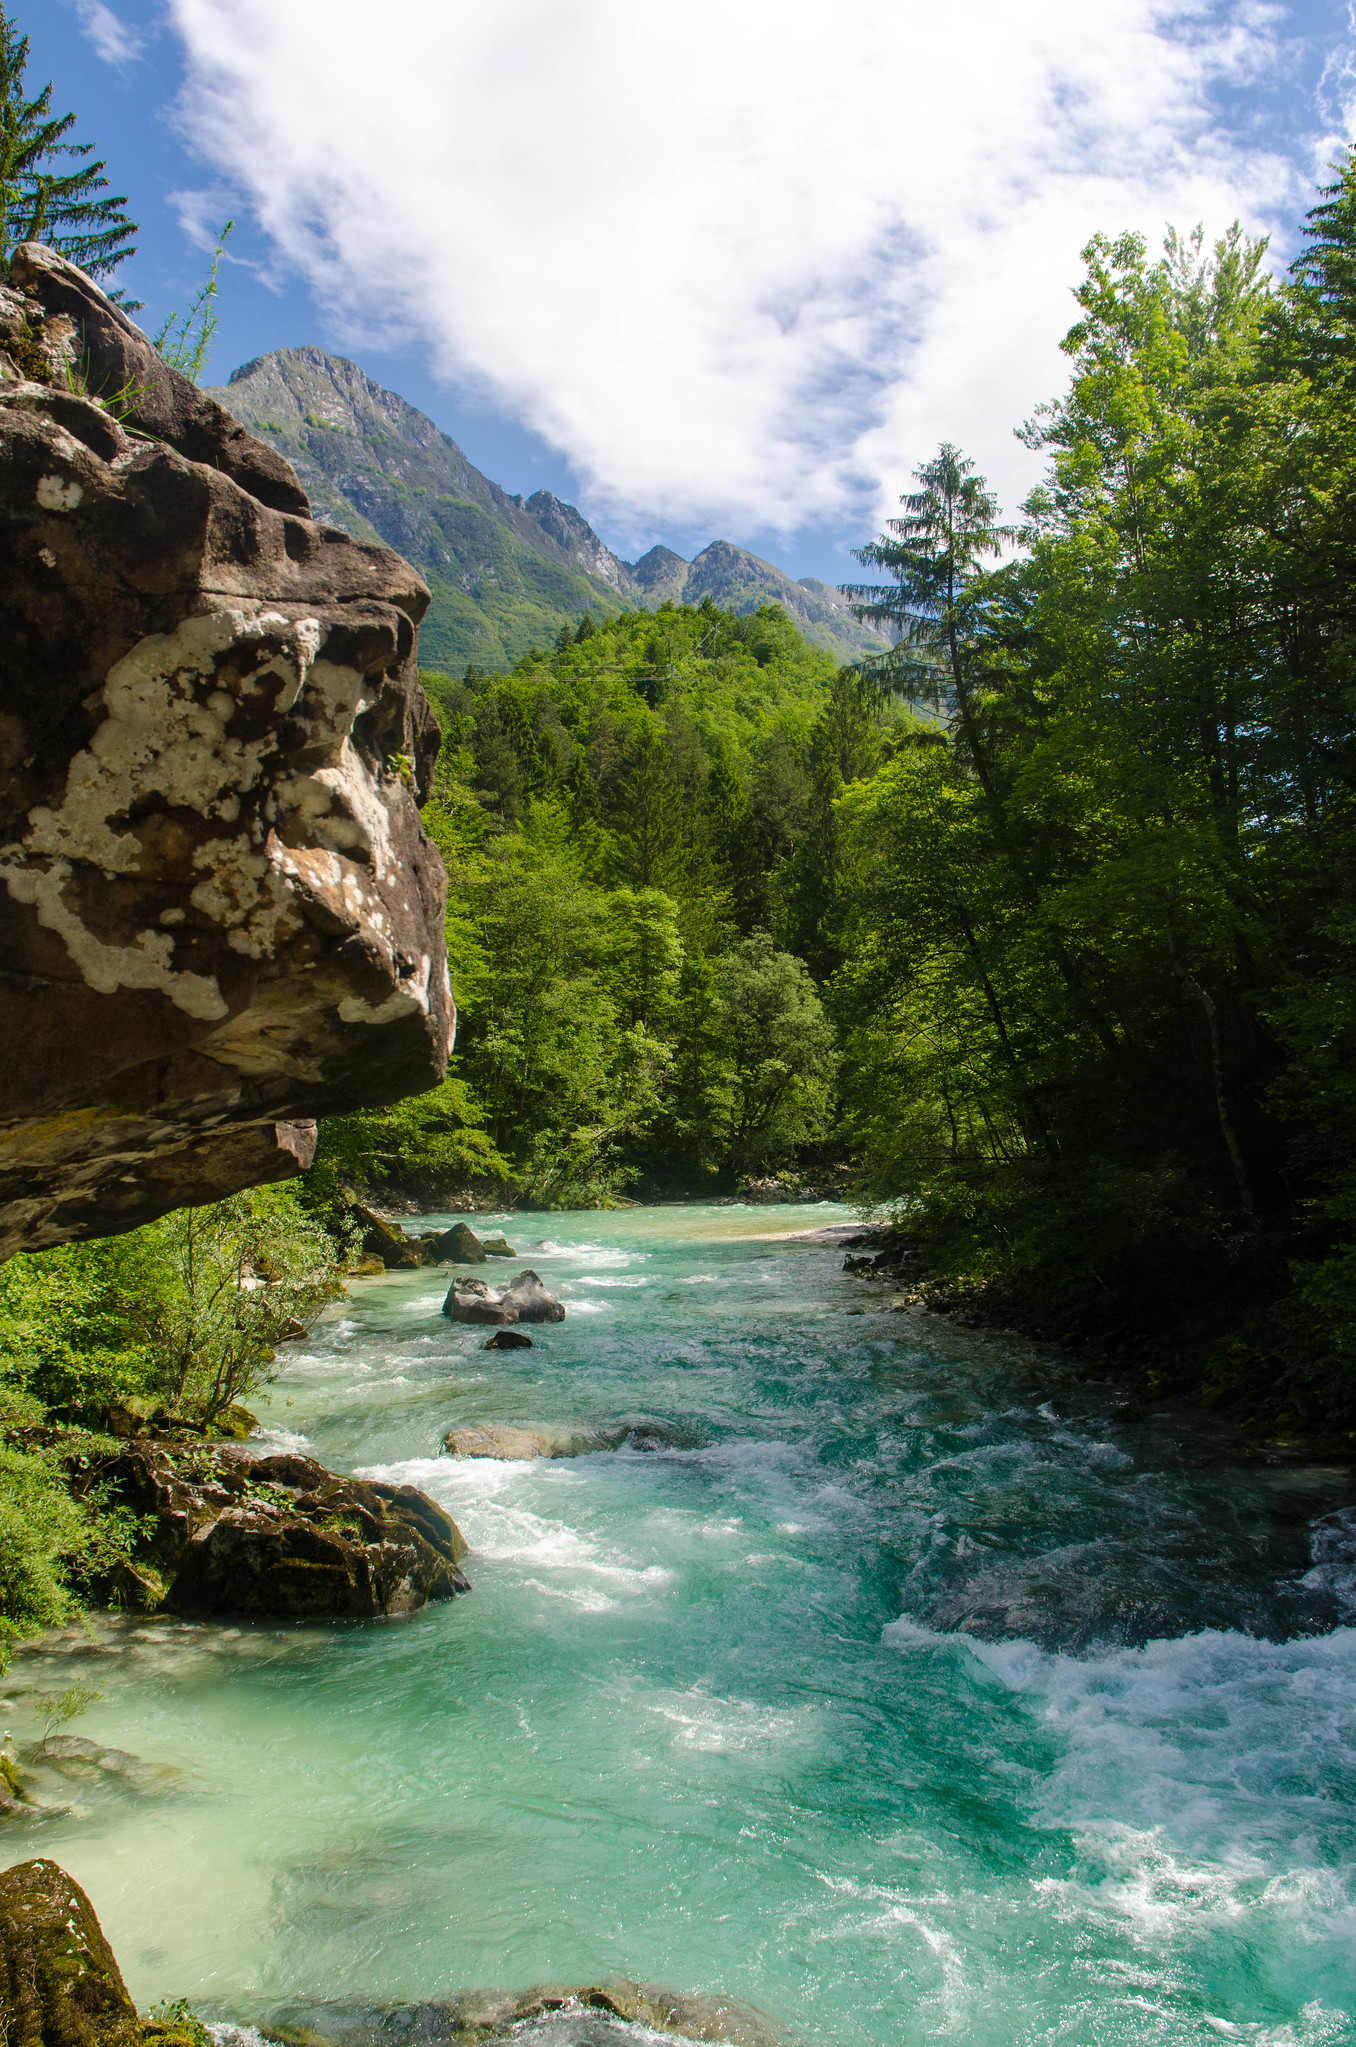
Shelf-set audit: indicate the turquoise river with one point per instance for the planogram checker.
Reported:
(904, 1692)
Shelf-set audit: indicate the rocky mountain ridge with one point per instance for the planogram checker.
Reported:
(505, 572)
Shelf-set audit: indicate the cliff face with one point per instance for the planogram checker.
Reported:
(220, 916)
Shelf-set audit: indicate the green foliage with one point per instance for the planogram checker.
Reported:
(780, 1047)
(185, 339)
(233, 1276)
(1098, 991)
(184, 1312)
(72, 210)
(423, 1143)
(174, 2023)
(621, 819)
(181, 1315)
(51, 1542)
(58, 1709)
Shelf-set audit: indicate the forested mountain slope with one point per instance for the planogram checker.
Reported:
(638, 828)
(505, 572)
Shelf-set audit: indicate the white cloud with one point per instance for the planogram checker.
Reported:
(113, 40)
(746, 261)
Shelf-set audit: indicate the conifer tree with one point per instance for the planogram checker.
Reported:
(71, 209)
(934, 551)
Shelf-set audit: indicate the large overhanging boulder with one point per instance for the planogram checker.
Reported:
(220, 916)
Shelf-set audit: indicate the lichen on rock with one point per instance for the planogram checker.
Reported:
(213, 878)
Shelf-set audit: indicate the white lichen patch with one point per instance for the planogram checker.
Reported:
(164, 746)
(59, 493)
(148, 962)
(409, 997)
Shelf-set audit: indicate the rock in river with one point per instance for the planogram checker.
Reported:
(228, 1533)
(472, 1300)
(530, 1301)
(460, 1245)
(499, 2015)
(524, 1299)
(518, 1446)
(507, 1339)
(60, 1985)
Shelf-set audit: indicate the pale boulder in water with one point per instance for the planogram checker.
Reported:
(530, 1300)
(519, 1446)
(524, 1299)
(471, 1300)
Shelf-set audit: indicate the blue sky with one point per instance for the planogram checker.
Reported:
(730, 276)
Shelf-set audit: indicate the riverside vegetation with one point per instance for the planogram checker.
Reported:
(1037, 932)
(1062, 967)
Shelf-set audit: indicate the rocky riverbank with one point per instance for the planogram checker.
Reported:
(224, 1530)
(60, 1986)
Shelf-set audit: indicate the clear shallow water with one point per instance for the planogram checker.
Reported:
(910, 1696)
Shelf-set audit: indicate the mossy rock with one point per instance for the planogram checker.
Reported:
(236, 1423)
(59, 1983)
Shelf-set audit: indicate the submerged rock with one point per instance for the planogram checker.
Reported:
(220, 916)
(494, 2015)
(59, 1983)
(518, 1446)
(76, 1755)
(279, 1536)
(507, 1339)
(60, 1986)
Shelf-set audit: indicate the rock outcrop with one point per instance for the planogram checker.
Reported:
(61, 1986)
(460, 1246)
(386, 1240)
(276, 1537)
(524, 1299)
(220, 916)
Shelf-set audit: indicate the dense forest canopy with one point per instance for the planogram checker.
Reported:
(639, 828)
(1038, 928)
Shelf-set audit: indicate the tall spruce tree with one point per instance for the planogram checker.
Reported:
(933, 553)
(48, 192)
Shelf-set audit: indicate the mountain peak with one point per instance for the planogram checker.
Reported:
(505, 572)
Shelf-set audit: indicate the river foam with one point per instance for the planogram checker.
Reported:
(888, 1682)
